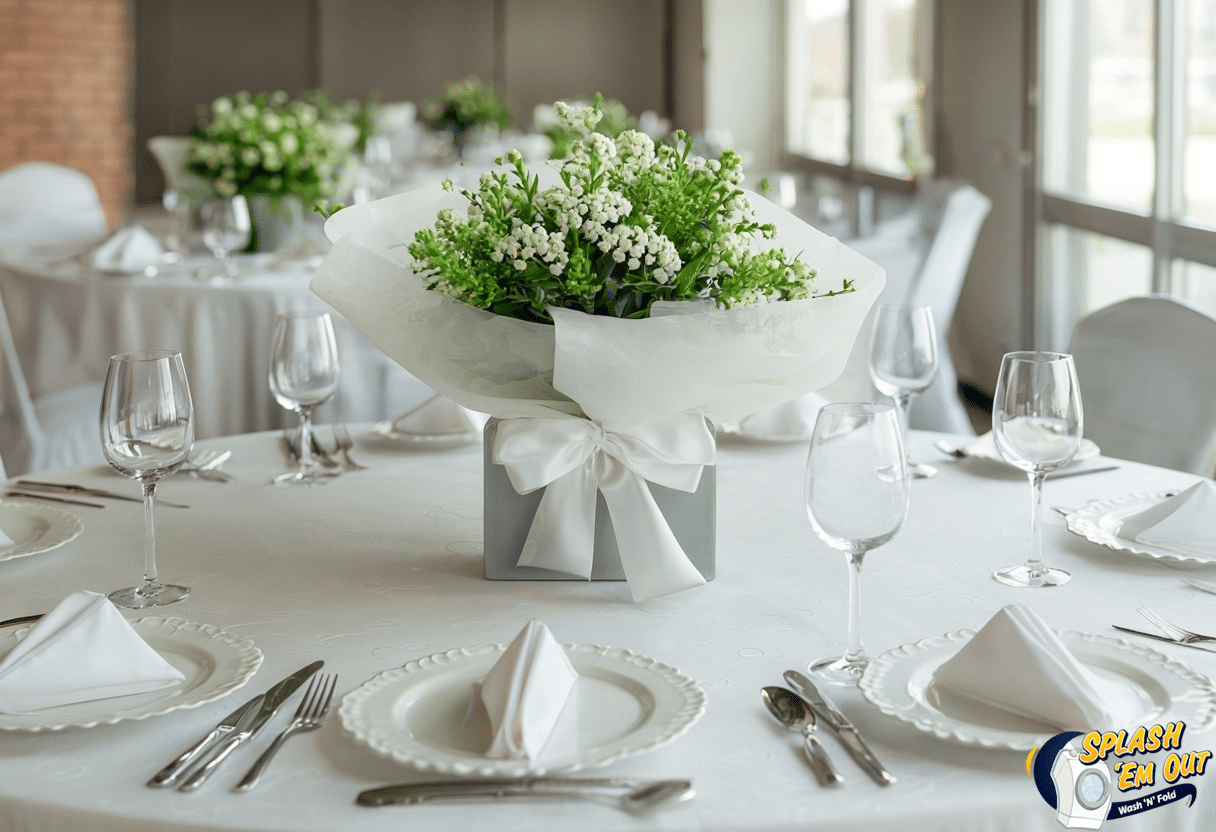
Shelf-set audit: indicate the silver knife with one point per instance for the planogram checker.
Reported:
(275, 697)
(68, 488)
(839, 723)
(31, 496)
(235, 721)
(1198, 584)
(1160, 637)
(636, 794)
(1059, 475)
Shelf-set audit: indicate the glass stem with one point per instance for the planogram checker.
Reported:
(903, 401)
(306, 440)
(152, 585)
(1035, 561)
(854, 651)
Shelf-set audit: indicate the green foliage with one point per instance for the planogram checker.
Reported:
(465, 104)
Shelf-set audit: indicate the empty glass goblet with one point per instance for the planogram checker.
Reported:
(857, 492)
(147, 431)
(304, 374)
(226, 228)
(903, 361)
(1037, 425)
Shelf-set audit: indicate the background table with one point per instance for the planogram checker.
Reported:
(68, 319)
(384, 566)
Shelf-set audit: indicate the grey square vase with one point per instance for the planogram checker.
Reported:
(508, 517)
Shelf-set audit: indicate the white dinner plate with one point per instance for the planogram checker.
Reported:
(985, 448)
(1099, 522)
(435, 441)
(428, 713)
(34, 527)
(215, 663)
(900, 684)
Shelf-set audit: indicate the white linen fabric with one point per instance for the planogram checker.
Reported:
(525, 691)
(439, 416)
(573, 459)
(1186, 521)
(1018, 663)
(81, 650)
(790, 420)
(129, 250)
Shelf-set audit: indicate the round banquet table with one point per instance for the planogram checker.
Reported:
(383, 566)
(69, 318)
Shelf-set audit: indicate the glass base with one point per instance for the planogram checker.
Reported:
(300, 478)
(137, 598)
(921, 471)
(1023, 575)
(837, 670)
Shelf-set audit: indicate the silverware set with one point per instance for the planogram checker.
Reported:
(339, 457)
(1172, 632)
(196, 764)
(801, 708)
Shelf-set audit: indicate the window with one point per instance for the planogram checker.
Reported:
(1128, 170)
(857, 75)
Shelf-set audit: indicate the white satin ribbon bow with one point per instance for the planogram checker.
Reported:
(575, 458)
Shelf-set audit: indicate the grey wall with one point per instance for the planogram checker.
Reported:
(647, 53)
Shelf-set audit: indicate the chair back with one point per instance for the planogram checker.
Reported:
(39, 200)
(1147, 369)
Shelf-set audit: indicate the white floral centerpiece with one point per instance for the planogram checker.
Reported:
(601, 308)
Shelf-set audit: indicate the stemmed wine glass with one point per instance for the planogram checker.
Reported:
(147, 431)
(857, 491)
(903, 361)
(1037, 424)
(304, 374)
(226, 228)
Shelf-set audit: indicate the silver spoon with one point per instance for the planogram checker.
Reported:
(791, 712)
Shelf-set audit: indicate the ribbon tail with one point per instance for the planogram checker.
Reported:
(562, 535)
(653, 560)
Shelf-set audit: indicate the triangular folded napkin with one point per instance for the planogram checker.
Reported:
(81, 650)
(1016, 662)
(525, 691)
(129, 251)
(792, 420)
(1186, 521)
(439, 416)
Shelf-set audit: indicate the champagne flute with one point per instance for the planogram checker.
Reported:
(857, 492)
(903, 361)
(226, 228)
(304, 374)
(147, 431)
(1037, 424)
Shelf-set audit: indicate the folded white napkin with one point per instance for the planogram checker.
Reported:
(794, 419)
(1186, 521)
(81, 650)
(439, 416)
(130, 250)
(525, 691)
(1018, 663)
(5, 540)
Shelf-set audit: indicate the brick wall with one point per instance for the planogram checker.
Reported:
(66, 89)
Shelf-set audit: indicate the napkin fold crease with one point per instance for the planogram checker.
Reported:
(1186, 521)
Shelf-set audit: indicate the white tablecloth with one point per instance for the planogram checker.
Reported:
(384, 566)
(68, 319)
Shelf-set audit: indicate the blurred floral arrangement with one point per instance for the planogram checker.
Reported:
(267, 144)
(464, 104)
(615, 119)
(363, 115)
(630, 223)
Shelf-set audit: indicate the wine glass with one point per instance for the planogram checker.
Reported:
(304, 374)
(1037, 425)
(147, 431)
(857, 491)
(903, 361)
(226, 228)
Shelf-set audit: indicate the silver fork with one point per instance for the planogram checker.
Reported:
(1173, 630)
(308, 716)
(343, 444)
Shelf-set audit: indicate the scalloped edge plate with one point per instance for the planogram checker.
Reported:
(214, 661)
(899, 683)
(35, 528)
(435, 441)
(1099, 522)
(427, 713)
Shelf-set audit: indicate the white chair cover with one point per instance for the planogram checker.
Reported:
(1148, 381)
(42, 200)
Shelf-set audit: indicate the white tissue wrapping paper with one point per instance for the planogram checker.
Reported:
(131, 249)
(1016, 662)
(618, 373)
(1186, 521)
(525, 691)
(81, 650)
